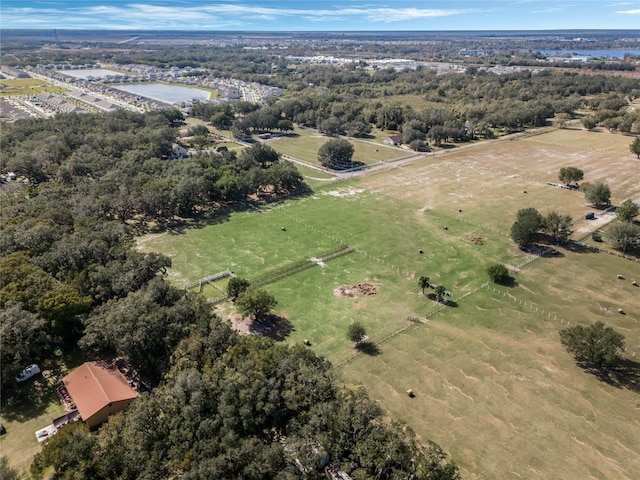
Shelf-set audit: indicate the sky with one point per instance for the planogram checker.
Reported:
(320, 15)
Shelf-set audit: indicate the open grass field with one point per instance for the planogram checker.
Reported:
(493, 384)
(27, 86)
(306, 144)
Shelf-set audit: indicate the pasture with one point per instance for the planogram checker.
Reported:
(306, 143)
(493, 384)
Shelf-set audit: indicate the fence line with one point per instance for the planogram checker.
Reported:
(544, 313)
(209, 279)
(296, 267)
(415, 321)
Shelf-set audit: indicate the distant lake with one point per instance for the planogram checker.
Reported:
(165, 93)
(614, 53)
(90, 72)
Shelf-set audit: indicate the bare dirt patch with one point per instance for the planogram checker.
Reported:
(272, 326)
(353, 291)
(477, 240)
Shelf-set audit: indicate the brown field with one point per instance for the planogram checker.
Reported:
(493, 384)
(488, 182)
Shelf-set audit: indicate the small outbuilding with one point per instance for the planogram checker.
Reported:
(98, 389)
(394, 140)
(178, 151)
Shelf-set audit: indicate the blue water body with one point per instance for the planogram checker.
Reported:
(165, 93)
(612, 53)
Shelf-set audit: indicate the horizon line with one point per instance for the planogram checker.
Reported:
(116, 29)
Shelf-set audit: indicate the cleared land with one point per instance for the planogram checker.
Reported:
(493, 384)
(38, 406)
(27, 86)
(306, 143)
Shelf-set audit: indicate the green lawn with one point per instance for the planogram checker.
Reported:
(359, 220)
(306, 144)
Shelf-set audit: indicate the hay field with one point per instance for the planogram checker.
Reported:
(493, 384)
(488, 182)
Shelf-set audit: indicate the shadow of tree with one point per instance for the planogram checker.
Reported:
(32, 398)
(354, 164)
(580, 247)
(509, 282)
(273, 326)
(368, 348)
(626, 374)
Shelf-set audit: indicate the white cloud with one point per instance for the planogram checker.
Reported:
(143, 15)
(629, 12)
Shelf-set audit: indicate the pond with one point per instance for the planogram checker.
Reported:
(165, 93)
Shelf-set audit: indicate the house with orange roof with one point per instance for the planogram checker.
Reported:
(98, 390)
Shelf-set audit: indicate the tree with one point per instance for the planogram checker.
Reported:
(69, 449)
(336, 154)
(627, 210)
(23, 341)
(623, 235)
(598, 194)
(6, 471)
(236, 286)
(331, 125)
(526, 226)
(589, 122)
(256, 303)
(423, 282)
(258, 154)
(285, 125)
(596, 345)
(558, 226)
(356, 332)
(570, 174)
(198, 130)
(635, 147)
(357, 128)
(61, 306)
(498, 273)
(440, 290)
(419, 146)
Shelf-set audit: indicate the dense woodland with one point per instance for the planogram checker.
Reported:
(224, 406)
(462, 106)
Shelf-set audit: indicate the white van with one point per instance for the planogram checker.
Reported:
(28, 372)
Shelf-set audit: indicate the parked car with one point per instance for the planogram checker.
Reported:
(28, 372)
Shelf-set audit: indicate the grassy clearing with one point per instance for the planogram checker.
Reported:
(27, 86)
(33, 406)
(305, 147)
(493, 384)
(359, 220)
(22, 82)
